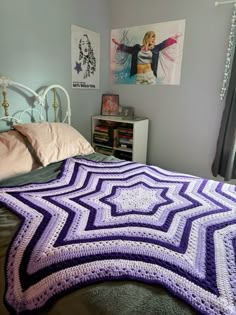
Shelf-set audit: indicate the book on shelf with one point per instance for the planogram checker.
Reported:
(100, 133)
(104, 150)
(125, 135)
(125, 146)
(105, 135)
(101, 137)
(125, 141)
(101, 128)
(123, 155)
(102, 142)
(126, 130)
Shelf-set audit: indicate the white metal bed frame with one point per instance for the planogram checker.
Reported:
(40, 99)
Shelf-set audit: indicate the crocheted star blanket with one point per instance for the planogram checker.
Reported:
(123, 220)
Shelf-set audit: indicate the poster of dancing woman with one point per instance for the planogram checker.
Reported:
(147, 55)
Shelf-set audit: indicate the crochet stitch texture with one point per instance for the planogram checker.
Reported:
(123, 220)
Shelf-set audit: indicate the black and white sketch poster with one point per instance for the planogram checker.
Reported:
(85, 58)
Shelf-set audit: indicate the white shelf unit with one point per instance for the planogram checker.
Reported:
(138, 152)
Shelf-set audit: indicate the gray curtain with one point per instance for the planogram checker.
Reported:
(225, 159)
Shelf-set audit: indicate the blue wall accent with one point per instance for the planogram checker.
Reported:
(35, 48)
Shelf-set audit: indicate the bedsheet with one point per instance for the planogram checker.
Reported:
(115, 297)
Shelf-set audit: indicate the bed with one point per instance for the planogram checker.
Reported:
(84, 233)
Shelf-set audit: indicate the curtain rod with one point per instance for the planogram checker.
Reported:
(224, 2)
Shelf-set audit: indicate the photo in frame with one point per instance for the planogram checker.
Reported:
(126, 111)
(110, 104)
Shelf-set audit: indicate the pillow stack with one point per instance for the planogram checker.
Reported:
(32, 145)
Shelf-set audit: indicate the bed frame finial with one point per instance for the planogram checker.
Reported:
(55, 105)
(5, 104)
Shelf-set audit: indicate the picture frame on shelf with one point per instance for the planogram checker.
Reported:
(110, 104)
(126, 111)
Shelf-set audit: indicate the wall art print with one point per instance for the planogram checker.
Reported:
(85, 58)
(110, 104)
(148, 54)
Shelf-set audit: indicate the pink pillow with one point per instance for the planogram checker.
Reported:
(54, 142)
(15, 157)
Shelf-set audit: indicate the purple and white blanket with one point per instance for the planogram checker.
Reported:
(123, 220)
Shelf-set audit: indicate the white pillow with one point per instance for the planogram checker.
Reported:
(15, 157)
(54, 142)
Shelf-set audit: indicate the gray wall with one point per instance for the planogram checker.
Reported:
(184, 119)
(36, 47)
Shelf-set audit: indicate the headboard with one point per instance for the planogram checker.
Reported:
(49, 99)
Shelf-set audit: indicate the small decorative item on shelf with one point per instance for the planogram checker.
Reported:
(110, 104)
(126, 112)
